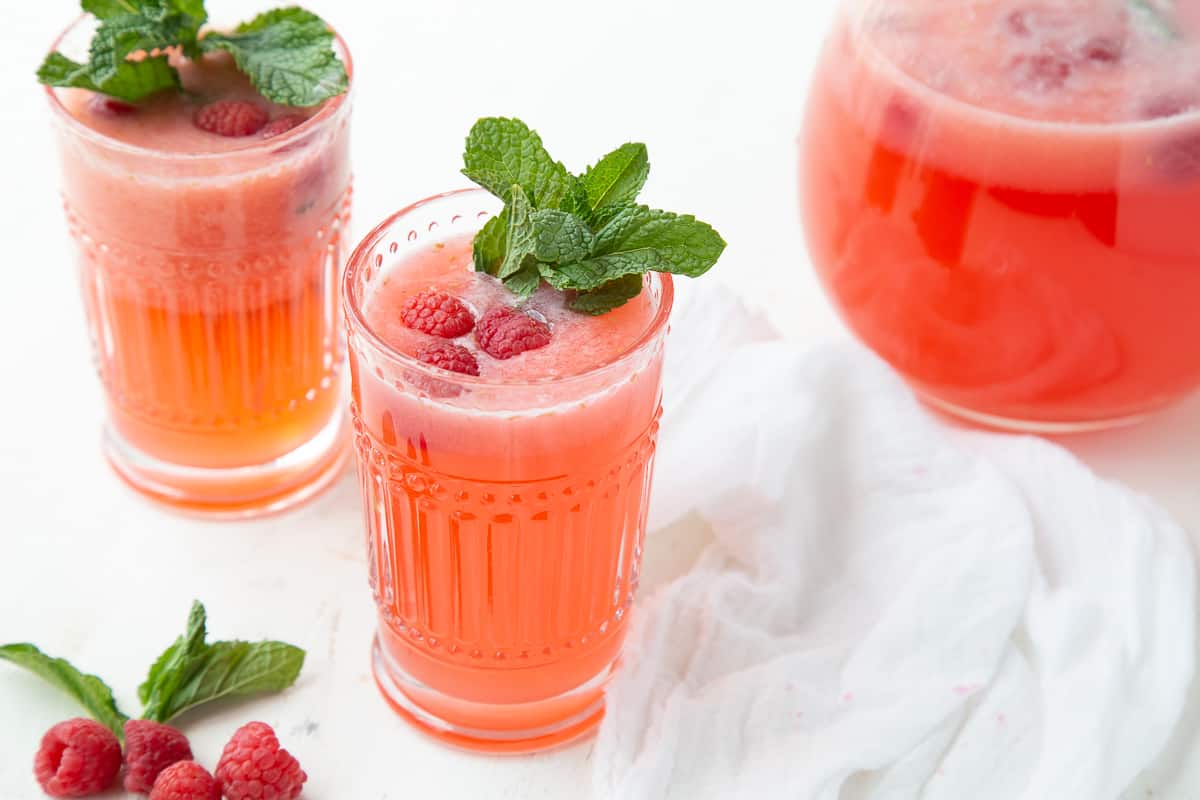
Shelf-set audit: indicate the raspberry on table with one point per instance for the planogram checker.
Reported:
(254, 767)
(437, 314)
(187, 780)
(452, 357)
(77, 758)
(281, 125)
(505, 332)
(230, 118)
(151, 747)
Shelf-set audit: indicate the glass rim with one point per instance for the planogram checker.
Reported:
(1075, 128)
(356, 319)
(329, 109)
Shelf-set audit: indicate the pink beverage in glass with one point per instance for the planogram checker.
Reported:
(1000, 197)
(505, 512)
(209, 267)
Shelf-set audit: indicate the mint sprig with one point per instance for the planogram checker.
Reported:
(90, 692)
(189, 673)
(583, 234)
(192, 672)
(287, 53)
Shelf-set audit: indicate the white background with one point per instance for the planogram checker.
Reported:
(91, 572)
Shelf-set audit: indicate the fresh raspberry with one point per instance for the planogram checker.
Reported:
(437, 314)
(505, 332)
(230, 118)
(151, 747)
(452, 357)
(79, 757)
(186, 780)
(253, 767)
(281, 125)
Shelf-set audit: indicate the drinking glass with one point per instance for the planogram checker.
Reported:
(505, 521)
(1000, 198)
(210, 283)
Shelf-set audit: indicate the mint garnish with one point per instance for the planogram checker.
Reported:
(583, 234)
(91, 692)
(287, 53)
(191, 672)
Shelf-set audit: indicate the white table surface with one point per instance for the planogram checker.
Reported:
(93, 573)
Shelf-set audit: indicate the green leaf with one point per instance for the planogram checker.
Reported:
(235, 669)
(617, 178)
(502, 153)
(525, 281)
(191, 672)
(491, 242)
(639, 240)
(174, 667)
(609, 296)
(559, 236)
(288, 55)
(88, 690)
(519, 242)
(131, 81)
(117, 39)
(104, 9)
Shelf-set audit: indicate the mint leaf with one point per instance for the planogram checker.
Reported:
(617, 178)
(191, 672)
(665, 242)
(519, 241)
(131, 81)
(288, 55)
(558, 236)
(120, 37)
(639, 240)
(525, 281)
(502, 153)
(88, 690)
(103, 9)
(609, 296)
(174, 667)
(491, 242)
(235, 669)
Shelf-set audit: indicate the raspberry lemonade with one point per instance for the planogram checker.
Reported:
(1001, 195)
(209, 217)
(505, 431)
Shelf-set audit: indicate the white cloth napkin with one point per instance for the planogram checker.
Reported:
(890, 608)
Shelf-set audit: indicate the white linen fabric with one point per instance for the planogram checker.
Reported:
(890, 607)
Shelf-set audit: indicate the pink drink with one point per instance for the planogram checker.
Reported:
(209, 271)
(505, 512)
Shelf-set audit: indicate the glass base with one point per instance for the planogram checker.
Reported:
(511, 729)
(1041, 427)
(237, 492)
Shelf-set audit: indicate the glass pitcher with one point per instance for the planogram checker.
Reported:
(1002, 198)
